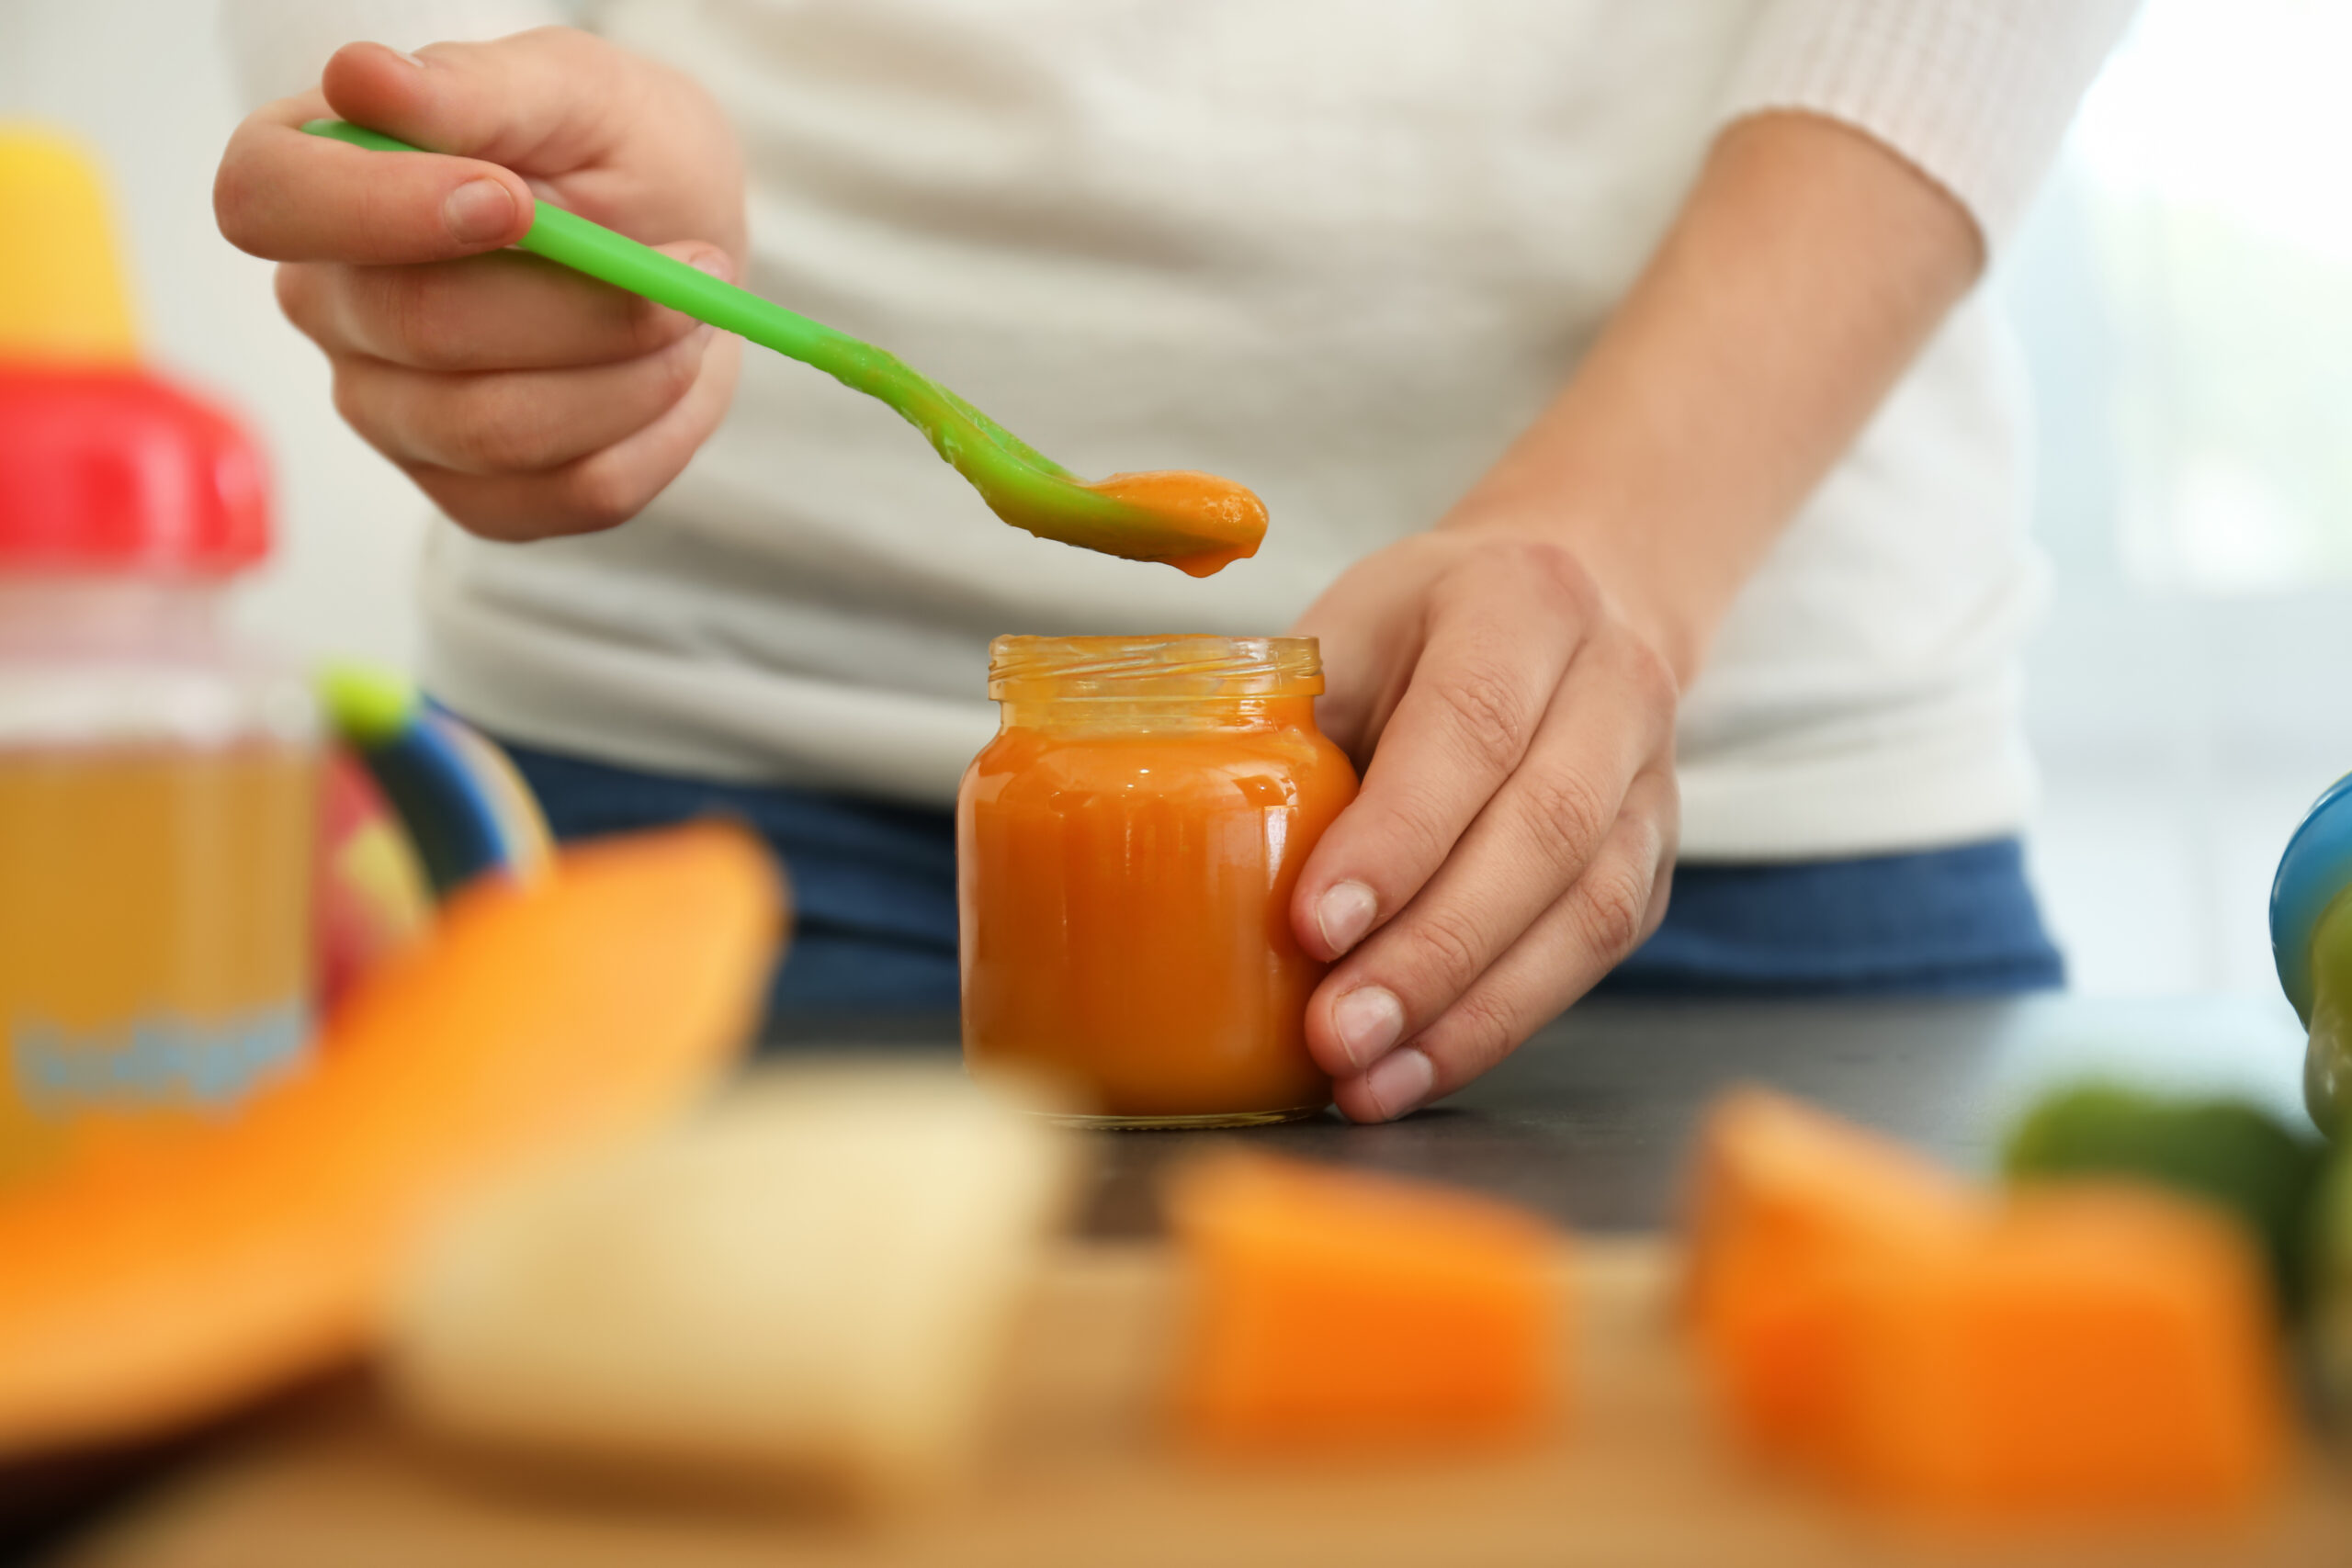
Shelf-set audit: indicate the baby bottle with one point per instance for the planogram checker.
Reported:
(156, 784)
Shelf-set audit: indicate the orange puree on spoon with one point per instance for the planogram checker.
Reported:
(1228, 521)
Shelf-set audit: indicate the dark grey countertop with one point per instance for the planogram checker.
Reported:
(1590, 1120)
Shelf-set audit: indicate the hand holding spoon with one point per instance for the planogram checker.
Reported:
(1196, 523)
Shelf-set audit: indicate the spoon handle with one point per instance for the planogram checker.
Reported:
(1021, 484)
(573, 241)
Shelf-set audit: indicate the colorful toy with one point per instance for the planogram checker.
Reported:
(373, 899)
(466, 808)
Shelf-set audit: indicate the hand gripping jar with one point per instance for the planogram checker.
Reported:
(156, 828)
(1126, 850)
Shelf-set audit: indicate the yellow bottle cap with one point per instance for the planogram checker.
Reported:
(62, 298)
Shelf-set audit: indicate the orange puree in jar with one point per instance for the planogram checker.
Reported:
(1127, 850)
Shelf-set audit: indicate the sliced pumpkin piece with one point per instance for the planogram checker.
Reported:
(1788, 1204)
(2103, 1348)
(152, 1283)
(1333, 1307)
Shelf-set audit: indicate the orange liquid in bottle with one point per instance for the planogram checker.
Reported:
(1126, 866)
(154, 935)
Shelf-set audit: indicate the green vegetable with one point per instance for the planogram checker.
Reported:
(2328, 1070)
(2226, 1151)
(2331, 1282)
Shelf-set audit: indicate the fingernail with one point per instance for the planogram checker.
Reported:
(1369, 1018)
(415, 60)
(713, 263)
(478, 211)
(1344, 913)
(1399, 1083)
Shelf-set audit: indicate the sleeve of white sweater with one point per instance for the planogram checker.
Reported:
(1976, 93)
(277, 48)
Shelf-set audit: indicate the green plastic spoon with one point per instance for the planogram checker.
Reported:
(1196, 523)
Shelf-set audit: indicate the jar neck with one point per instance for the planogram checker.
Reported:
(104, 614)
(1159, 715)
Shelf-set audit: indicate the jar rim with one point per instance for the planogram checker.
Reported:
(1178, 665)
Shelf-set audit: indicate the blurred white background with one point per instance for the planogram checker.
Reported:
(2185, 295)
(144, 84)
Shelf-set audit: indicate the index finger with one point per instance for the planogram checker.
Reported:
(288, 196)
(1498, 644)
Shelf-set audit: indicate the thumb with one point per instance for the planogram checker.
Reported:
(530, 104)
(288, 196)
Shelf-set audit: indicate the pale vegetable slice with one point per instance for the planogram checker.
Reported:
(813, 1283)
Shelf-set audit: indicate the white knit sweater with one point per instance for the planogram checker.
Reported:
(1340, 249)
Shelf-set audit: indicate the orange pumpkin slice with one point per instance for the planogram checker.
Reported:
(150, 1284)
(1335, 1308)
(2102, 1348)
(1872, 1317)
(1788, 1204)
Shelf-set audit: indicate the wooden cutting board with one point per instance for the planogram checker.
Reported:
(1080, 1474)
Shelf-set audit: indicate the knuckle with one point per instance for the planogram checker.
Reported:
(236, 202)
(484, 429)
(411, 310)
(1491, 723)
(1570, 813)
(1481, 1030)
(1442, 947)
(299, 289)
(1615, 905)
(1552, 572)
(349, 402)
(599, 494)
(1664, 814)
(469, 505)
(646, 327)
(356, 403)
(1650, 676)
(486, 521)
(673, 372)
(1418, 830)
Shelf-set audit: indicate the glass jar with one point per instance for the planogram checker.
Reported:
(1126, 848)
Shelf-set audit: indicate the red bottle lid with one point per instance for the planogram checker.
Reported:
(105, 468)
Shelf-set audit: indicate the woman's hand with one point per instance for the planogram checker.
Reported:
(524, 398)
(1509, 680)
(1516, 831)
